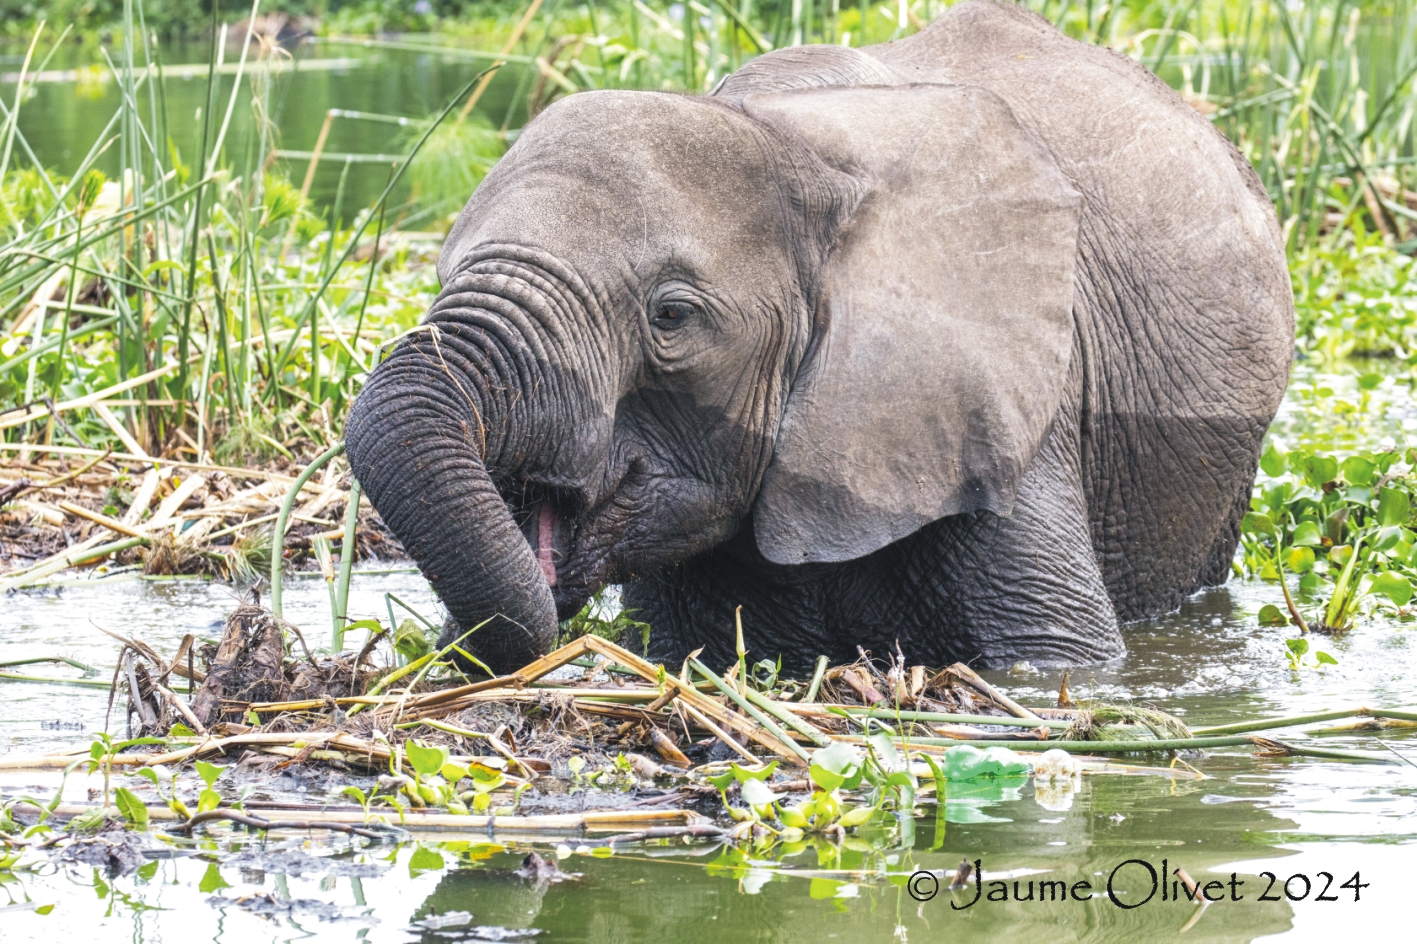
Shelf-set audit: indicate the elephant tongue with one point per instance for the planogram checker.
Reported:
(544, 520)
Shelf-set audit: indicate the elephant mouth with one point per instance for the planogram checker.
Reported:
(546, 519)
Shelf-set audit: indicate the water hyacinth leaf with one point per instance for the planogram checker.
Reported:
(857, 816)
(1299, 560)
(1257, 523)
(131, 807)
(181, 730)
(1309, 583)
(1271, 615)
(1358, 495)
(1272, 462)
(208, 800)
(1325, 659)
(1297, 646)
(832, 766)
(1319, 470)
(723, 781)
(759, 796)
(743, 774)
(1387, 538)
(1339, 554)
(452, 772)
(1359, 471)
(1306, 534)
(1394, 586)
(1394, 507)
(793, 817)
(209, 772)
(426, 761)
(1369, 381)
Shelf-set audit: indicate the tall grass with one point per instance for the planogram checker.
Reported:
(260, 313)
(265, 312)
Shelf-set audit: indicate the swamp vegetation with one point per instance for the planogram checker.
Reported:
(187, 309)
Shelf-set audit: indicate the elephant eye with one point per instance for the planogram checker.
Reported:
(672, 314)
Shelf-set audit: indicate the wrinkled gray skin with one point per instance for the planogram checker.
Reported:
(966, 341)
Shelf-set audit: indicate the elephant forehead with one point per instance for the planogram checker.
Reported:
(630, 180)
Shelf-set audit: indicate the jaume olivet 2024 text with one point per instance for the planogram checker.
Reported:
(1132, 884)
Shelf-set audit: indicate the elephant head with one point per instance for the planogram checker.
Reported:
(831, 315)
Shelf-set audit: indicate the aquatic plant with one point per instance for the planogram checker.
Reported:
(1344, 527)
(1295, 650)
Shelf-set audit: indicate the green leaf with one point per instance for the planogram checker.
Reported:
(425, 860)
(1306, 534)
(793, 817)
(208, 800)
(411, 640)
(743, 775)
(452, 772)
(1359, 471)
(1320, 470)
(1271, 615)
(426, 761)
(1394, 507)
(1370, 381)
(1299, 560)
(1325, 659)
(1394, 586)
(1297, 646)
(1272, 462)
(723, 781)
(356, 794)
(1257, 523)
(857, 816)
(132, 808)
(209, 772)
(181, 730)
(832, 766)
(212, 880)
(756, 793)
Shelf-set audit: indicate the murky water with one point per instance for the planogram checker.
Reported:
(1210, 662)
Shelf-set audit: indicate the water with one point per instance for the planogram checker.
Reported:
(63, 118)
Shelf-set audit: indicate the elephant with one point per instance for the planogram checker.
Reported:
(962, 346)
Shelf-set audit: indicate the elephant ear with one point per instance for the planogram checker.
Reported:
(944, 319)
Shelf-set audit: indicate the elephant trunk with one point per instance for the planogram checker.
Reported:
(418, 442)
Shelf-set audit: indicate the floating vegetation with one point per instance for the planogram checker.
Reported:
(428, 749)
(1344, 528)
